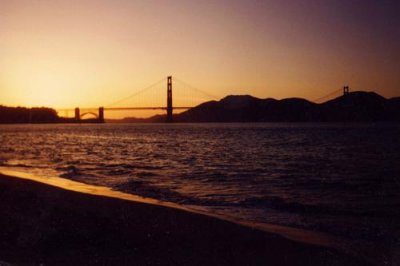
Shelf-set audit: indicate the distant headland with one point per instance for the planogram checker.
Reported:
(356, 106)
(36, 115)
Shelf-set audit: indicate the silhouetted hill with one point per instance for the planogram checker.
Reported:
(27, 115)
(394, 108)
(248, 109)
(355, 106)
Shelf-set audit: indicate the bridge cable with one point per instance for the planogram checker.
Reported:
(136, 93)
(196, 89)
(327, 96)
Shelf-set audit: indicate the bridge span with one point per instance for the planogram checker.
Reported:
(98, 113)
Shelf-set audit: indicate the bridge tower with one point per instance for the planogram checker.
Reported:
(77, 114)
(169, 100)
(101, 115)
(345, 90)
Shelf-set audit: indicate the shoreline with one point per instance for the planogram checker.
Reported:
(296, 234)
(47, 224)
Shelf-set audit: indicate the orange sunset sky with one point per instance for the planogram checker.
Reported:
(68, 53)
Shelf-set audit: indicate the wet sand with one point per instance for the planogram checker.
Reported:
(43, 224)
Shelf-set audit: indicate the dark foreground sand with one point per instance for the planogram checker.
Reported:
(41, 224)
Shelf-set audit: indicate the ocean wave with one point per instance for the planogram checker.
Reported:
(70, 171)
(305, 175)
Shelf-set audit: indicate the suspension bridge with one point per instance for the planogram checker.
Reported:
(185, 101)
(98, 113)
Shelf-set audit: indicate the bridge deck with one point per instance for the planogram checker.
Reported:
(127, 108)
(143, 108)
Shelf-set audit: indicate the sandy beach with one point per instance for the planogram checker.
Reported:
(43, 224)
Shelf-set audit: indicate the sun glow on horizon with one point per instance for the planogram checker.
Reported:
(65, 54)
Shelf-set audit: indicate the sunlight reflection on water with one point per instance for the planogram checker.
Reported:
(340, 179)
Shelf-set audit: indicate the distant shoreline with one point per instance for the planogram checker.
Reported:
(356, 106)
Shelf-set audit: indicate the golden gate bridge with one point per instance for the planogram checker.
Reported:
(98, 113)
